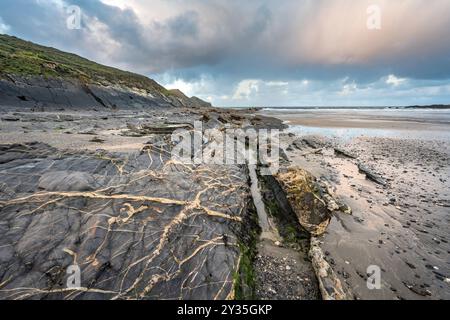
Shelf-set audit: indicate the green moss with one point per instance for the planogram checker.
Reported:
(244, 277)
(291, 234)
(168, 93)
(287, 222)
(272, 208)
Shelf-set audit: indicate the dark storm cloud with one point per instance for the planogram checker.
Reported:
(231, 41)
(182, 40)
(184, 25)
(253, 38)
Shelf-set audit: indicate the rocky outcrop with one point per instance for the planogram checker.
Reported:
(371, 175)
(306, 199)
(199, 103)
(194, 102)
(314, 207)
(330, 286)
(44, 94)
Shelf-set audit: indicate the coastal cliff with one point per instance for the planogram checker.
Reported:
(41, 78)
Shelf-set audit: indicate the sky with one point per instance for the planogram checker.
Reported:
(258, 53)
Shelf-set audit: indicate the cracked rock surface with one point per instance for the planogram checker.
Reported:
(138, 225)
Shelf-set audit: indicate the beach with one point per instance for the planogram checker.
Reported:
(221, 150)
(392, 168)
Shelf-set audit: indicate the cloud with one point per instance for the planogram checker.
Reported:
(277, 84)
(275, 45)
(340, 92)
(185, 25)
(3, 27)
(348, 89)
(189, 88)
(245, 89)
(286, 36)
(393, 80)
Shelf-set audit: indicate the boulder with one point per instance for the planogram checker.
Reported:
(305, 196)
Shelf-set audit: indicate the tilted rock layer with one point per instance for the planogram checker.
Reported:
(306, 199)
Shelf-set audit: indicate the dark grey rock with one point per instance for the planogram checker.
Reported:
(371, 175)
(136, 225)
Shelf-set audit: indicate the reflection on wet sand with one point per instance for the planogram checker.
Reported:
(402, 227)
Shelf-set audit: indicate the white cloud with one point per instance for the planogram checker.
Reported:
(348, 89)
(342, 92)
(4, 28)
(202, 87)
(277, 84)
(117, 3)
(246, 88)
(393, 80)
(186, 87)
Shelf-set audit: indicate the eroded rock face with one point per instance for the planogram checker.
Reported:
(39, 94)
(139, 226)
(306, 199)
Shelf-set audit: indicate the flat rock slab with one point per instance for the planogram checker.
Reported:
(139, 226)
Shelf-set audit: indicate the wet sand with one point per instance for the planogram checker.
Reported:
(361, 118)
(418, 123)
(402, 227)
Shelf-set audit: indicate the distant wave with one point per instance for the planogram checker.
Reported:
(358, 109)
(321, 108)
(294, 109)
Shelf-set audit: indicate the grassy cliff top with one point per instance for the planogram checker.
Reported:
(23, 58)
